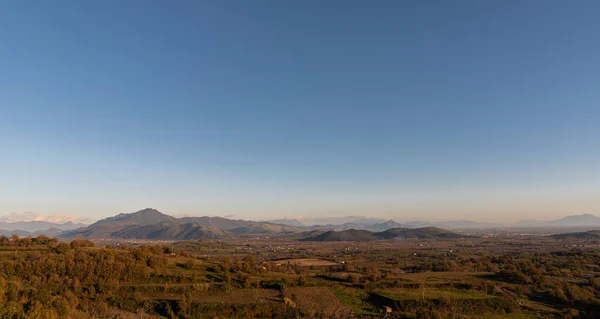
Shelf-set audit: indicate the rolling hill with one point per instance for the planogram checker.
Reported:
(345, 235)
(365, 235)
(169, 231)
(385, 226)
(287, 222)
(422, 233)
(589, 235)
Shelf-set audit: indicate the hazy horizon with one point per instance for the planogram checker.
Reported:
(485, 111)
(60, 218)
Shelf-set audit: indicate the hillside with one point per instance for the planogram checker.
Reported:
(170, 230)
(385, 225)
(216, 222)
(345, 235)
(264, 228)
(422, 233)
(240, 226)
(589, 235)
(578, 220)
(287, 222)
(52, 232)
(583, 220)
(106, 227)
(146, 216)
(152, 224)
(364, 235)
(8, 233)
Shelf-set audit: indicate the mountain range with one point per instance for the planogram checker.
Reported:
(151, 224)
(584, 220)
(374, 224)
(392, 233)
(34, 226)
(52, 218)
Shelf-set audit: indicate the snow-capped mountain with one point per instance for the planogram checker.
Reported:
(51, 218)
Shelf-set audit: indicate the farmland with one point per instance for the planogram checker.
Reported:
(306, 262)
(259, 277)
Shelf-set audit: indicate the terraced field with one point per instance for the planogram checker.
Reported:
(430, 293)
(242, 296)
(319, 300)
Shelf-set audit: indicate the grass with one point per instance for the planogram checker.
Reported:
(305, 262)
(353, 298)
(430, 293)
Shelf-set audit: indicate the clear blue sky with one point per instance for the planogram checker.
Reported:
(486, 110)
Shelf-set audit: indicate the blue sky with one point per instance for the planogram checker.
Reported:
(485, 110)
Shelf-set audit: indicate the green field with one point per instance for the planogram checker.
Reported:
(354, 298)
(430, 293)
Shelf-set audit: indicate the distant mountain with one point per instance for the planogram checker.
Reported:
(106, 227)
(422, 233)
(217, 222)
(170, 231)
(240, 226)
(33, 226)
(311, 233)
(385, 225)
(356, 225)
(463, 224)
(358, 220)
(52, 218)
(152, 224)
(52, 232)
(449, 224)
(531, 223)
(584, 220)
(590, 235)
(346, 235)
(578, 220)
(264, 228)
(365, 235)
(144, 217)
(8, 233)
(287, 222)
(377, 224)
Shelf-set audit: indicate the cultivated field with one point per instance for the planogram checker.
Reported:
(305, 262)
(259, 277)
(319, 300)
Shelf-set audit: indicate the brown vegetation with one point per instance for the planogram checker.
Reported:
(272, 278)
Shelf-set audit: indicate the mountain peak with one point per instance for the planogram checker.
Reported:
(149, 211)
(583, 219)
(144, 216)
(287, 221)
(385, 225)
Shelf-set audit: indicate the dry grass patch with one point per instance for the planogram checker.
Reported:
(306, 262)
